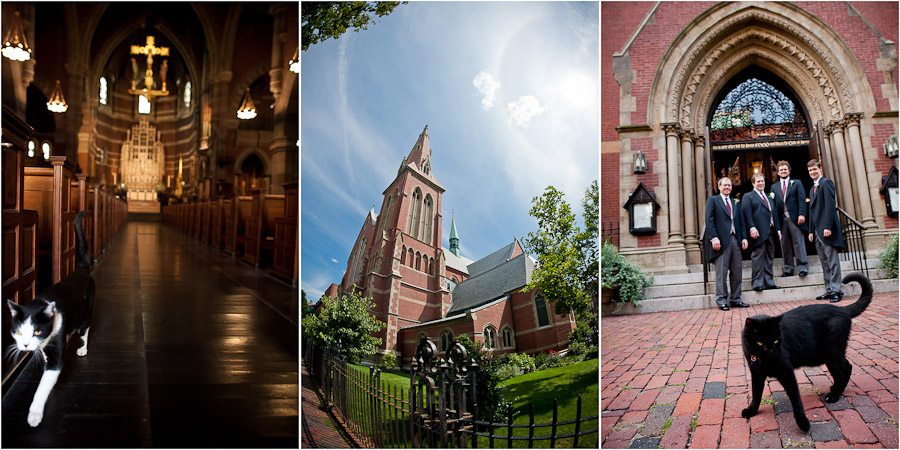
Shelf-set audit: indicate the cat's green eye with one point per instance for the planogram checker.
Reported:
(37, 333)
(759, 344)
(18, 333)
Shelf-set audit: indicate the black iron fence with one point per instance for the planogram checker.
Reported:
(438, 408)
(610, 233)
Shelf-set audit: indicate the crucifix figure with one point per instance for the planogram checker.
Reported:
(150, 49)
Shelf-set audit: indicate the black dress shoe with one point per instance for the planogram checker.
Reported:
(787, 275)
(835, 298)
(722, 306)
(803, 274)
(824, 296)
(757, 288)
(739, 304)
(840, 294)
(773, 287)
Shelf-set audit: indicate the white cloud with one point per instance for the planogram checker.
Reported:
(522, 111)
(334, 260)
(485, 83)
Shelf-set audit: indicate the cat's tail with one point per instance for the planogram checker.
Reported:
(82, 255)
(860, 305)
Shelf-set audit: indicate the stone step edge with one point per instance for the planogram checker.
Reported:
(685, 303)
(695, 287)
(694, 277)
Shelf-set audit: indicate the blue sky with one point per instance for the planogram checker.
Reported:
(510, 94)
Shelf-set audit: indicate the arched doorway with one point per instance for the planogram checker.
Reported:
(252, 175)
(757, 121)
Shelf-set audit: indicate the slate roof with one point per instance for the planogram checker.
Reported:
(496, 281)
(492, 260)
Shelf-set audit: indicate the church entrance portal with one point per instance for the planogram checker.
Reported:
(756, 123)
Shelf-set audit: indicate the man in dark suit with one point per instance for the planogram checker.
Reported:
(725, 229)
(825, 230)
(757, 213)
(790, 207)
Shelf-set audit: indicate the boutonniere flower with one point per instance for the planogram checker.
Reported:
(791, 183)
(737, 200)
(771, 195)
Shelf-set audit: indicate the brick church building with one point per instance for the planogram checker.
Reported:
(693, 91)
(421, 289)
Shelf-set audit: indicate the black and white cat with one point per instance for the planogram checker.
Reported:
(44, 325)
(810, 335)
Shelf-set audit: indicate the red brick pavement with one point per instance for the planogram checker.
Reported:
(690, 366)
(319, 430)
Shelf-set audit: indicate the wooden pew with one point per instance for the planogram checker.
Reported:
(82, 201)
(205, 221)
(20, 267)
(218, 223)
(260, 229)
(97, 220)
(47, 191)
(285, 245)
(235, 222)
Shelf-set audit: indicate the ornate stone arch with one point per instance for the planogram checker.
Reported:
(786, 40)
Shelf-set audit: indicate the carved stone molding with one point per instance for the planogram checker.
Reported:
(809, 91)
(671, 128)
(806, 52)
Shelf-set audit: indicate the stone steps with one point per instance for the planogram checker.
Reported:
(681, 292)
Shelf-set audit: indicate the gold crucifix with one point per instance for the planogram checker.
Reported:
(149, 49)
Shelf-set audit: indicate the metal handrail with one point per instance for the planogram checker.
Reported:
(854, 244)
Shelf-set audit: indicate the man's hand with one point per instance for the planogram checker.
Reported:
(779, 235)
(754, 233)
(716, 244)
(801, 220)
(744, 244)
(810, 237)
(826, 232)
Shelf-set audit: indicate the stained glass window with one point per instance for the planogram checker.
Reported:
(102, 90)
(187, 94)
(143, 105)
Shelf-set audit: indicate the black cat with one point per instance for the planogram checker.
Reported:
(45, 324)
(810, 335)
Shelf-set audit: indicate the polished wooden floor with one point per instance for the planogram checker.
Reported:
(188, 348)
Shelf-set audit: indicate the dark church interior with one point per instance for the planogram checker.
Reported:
(172, 129)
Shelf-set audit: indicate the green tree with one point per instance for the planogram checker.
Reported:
(303, 304)
(567, 256)
(321, 21)
(344, 324)
(488, 390)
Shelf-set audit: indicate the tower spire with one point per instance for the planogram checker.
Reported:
(454, 238)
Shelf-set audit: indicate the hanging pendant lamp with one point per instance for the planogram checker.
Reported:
(14, 46)
(57, 102)
(247, 110)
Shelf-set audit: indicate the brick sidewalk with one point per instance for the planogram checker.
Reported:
(318, 430)
(679, 380)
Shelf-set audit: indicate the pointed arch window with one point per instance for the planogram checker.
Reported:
(508, 337)
(403, 256)
(356, 268)
(187, 94)
(427, 220)
(415, 214)
(755, 109)
(446, 340)
(418, 261)
(143, 105)
(103, 90)
(540, 306)
(490, 337)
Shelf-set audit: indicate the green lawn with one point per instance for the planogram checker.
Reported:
(564, 384)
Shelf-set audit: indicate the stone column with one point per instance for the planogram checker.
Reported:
(839, 152)
(700, 183)
(859, 166)
(676, 237)
(688, 182)
(278, 11)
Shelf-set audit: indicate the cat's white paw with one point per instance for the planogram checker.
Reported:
(82, 351)
(35, 418)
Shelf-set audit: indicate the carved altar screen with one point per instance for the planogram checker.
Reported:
(143, 161)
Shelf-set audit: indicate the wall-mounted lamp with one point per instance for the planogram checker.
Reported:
(891, 192)
(640, 162)
(642, 207)
(891, 147)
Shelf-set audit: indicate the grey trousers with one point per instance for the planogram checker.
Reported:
(729, 261)
(831, 265)
(762, 258)
(793, 246)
